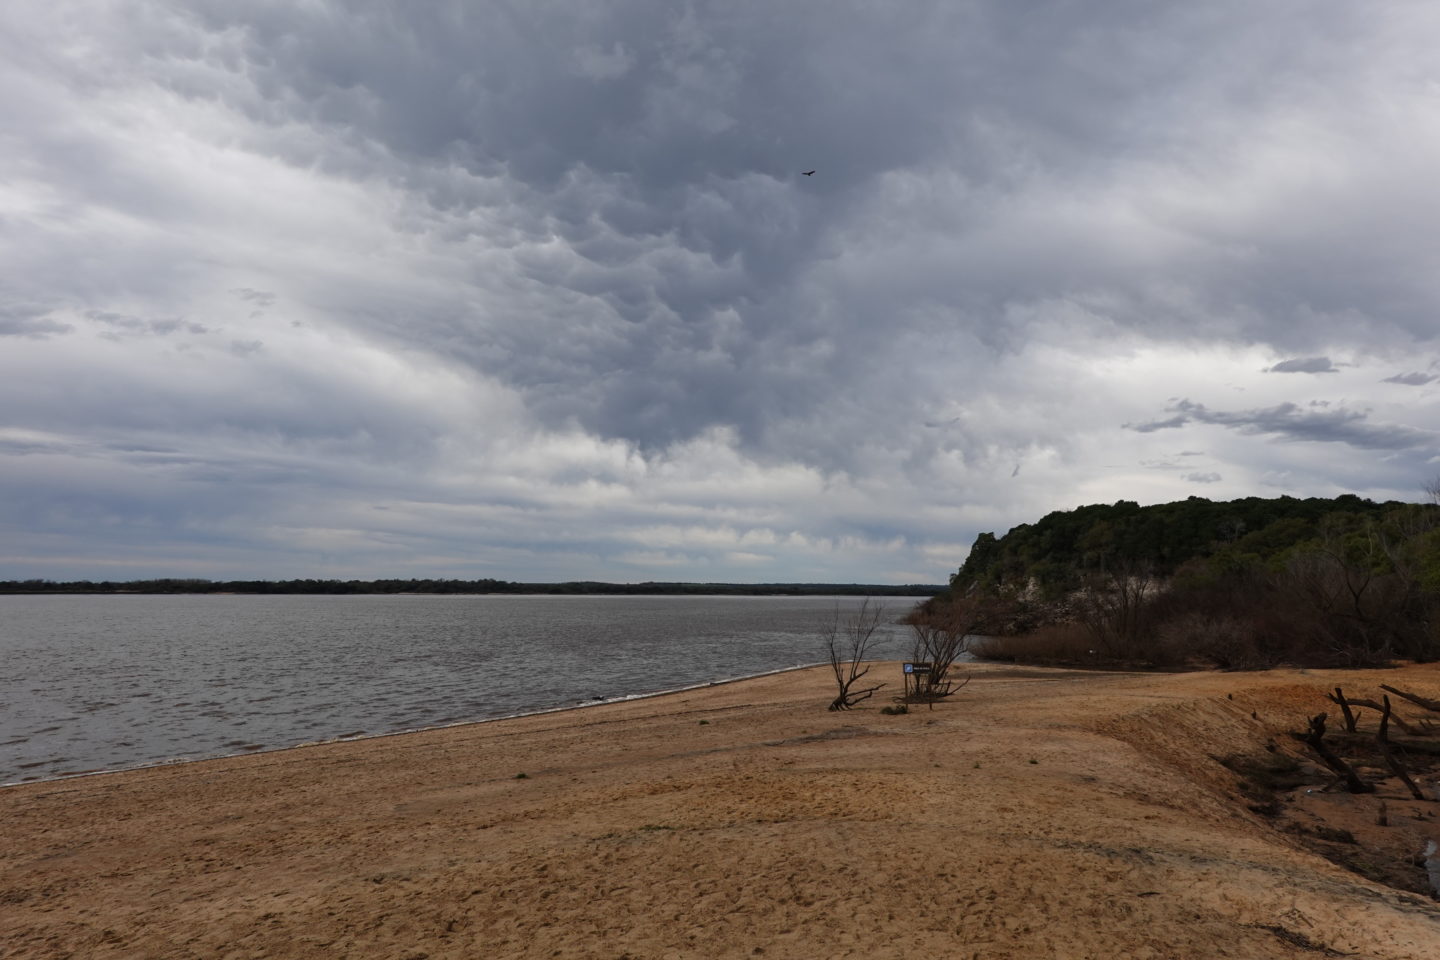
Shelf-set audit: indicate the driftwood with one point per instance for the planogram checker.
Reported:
(1339, 697)
(1431, 705)
(1394, 718)
(1419, 746)
(1314, 738)
(1393, 762)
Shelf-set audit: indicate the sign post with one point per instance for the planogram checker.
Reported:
(917, 679)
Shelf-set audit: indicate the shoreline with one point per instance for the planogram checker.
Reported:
(1040, 813)
(345, 738)
(188, 680)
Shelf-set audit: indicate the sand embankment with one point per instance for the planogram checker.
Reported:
(1041, 814)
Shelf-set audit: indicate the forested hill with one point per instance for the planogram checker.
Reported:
(1238, 584)
(1056, 552)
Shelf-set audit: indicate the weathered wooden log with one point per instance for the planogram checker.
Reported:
(1314, 738)
(1339, 697)
(1426, 747)
(1428, 704)
(1394, 718)
(1393, 762)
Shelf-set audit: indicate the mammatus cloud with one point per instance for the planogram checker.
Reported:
(1306, 365)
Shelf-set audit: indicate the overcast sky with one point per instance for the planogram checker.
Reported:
(535, 289)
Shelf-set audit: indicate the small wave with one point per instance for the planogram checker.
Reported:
(250, 749)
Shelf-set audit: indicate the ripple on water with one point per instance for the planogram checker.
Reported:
(299, 668)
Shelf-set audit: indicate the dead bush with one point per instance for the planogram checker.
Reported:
(1222, 641)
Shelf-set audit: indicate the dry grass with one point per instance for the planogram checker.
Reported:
(1058, 643)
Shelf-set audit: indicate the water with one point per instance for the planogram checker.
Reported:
(107, 682)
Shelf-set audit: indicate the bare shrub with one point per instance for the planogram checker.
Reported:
(943, 635)
(848, 640)
(1114, 607)
(1222, 641)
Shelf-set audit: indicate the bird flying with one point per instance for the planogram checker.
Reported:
(807, 173)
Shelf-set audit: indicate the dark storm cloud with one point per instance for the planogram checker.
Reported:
(245, 348)
(1412, 379)
(21, 448)
(118, 325)
(548, 272)
(1305, 365)
(1289, 421)
(1153, 425)
(33, 323)
(260, 298)
(643, 159)
(1175, 461)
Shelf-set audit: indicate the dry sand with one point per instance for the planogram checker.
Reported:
(1040, 814)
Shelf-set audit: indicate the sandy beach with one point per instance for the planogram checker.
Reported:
(1042, 813)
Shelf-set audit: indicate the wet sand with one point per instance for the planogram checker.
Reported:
(1039, 814)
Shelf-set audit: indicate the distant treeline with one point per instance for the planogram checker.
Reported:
(185, 585)
(1245, 583)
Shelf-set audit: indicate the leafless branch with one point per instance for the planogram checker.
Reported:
(1393, 762)
(1428, 704)
(1315, 739)
(848, 640)
(1339, 697)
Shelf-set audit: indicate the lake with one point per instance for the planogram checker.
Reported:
(113, 681)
